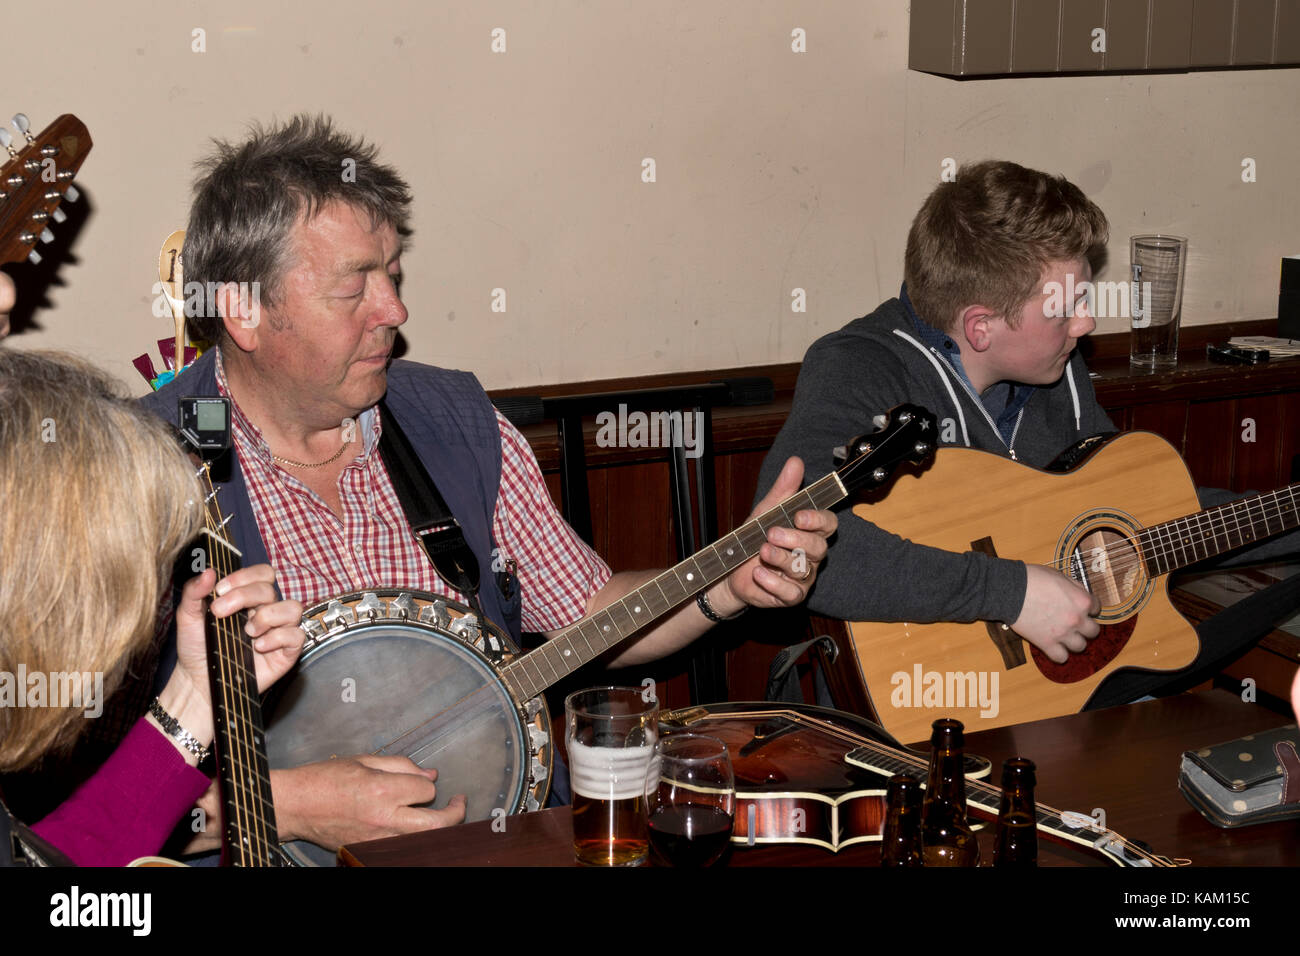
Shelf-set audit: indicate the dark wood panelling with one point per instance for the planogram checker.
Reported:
(1288, 464)
(1257, 464)
(1166, 419)
(1209, 447)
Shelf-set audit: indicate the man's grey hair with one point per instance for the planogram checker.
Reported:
(250, 195)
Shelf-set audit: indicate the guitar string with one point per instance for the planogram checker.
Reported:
(239, 795)
(234, 796)
(919, 763)
(1167, 546)
(238, 706)
(236, 661)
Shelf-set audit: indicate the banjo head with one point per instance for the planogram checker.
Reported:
(406, 673)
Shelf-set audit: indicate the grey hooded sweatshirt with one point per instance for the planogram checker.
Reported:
(890, 357)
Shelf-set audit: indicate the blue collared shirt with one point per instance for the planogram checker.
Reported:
(1003, 400)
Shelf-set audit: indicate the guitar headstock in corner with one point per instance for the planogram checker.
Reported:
(37, 176)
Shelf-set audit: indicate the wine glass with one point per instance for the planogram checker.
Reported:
(690, 800)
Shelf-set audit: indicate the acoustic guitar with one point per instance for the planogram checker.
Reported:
(1117, 523)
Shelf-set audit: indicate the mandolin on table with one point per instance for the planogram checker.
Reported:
(817, 776)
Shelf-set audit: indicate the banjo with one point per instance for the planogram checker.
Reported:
(405, 673)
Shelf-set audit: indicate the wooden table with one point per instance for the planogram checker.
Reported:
(1123, 761)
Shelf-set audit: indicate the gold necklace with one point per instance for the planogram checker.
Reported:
(319, 464)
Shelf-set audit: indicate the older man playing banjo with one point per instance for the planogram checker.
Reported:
(311, 217)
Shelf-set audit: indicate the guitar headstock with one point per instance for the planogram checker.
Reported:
(203, 429)
(37, 176)
(907, 434)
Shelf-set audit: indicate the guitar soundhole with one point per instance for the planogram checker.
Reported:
(1108, 565)
(1102, 649)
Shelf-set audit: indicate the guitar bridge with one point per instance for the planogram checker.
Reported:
(1009, 644)
(685, 715)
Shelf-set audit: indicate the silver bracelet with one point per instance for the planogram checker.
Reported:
(172, 728)
(702, 601)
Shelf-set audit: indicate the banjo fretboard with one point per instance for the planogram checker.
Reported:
(871, 459)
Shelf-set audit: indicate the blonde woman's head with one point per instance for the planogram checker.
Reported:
(96, 500)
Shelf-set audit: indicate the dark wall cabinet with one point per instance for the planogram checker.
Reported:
(998, 37)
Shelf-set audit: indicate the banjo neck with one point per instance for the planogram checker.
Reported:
(907, 435)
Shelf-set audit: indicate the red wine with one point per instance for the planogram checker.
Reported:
(689, 835)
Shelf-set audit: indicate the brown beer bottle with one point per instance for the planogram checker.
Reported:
(946, 837)
(901, 841)
(1017, 842)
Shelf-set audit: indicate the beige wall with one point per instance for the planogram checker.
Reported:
(775, 170)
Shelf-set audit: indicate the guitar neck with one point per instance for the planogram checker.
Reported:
(1176, 544)
(249, 832)
(537, 670)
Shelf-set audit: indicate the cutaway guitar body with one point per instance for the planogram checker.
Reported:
(1117, 523)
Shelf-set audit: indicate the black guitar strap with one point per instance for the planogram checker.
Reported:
(431, 521)
(19, 846)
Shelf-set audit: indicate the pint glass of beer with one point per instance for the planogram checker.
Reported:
(611, 734)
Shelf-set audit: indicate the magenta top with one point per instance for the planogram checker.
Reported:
(130, 806)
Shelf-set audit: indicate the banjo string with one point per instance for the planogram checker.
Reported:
(455, 705)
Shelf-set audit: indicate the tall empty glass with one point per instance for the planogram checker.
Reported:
(1159, 265)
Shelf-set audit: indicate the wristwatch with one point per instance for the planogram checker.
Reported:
(173, 729)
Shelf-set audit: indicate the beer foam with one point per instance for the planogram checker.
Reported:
(609, 773)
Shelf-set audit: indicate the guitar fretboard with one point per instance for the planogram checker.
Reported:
(250, 837)
(532, 673)
(1176, 544)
